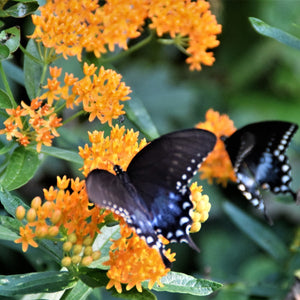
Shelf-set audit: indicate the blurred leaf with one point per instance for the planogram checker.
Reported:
(13, 72)
(133, 294)
(11, 38)
(10, 223)
(10, 202)
(39, 282)
(79, 292)
(6, 234)
(261, 235)
(32, 70)
(4, 52)
(21, 167)
(5, 100)
(275, 33)
(181, 283)
(138, 115)
(20, 9)
(67, 155)
(93, 277)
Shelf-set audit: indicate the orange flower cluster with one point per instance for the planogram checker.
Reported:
(40, 125)
(105, 152)
(100, 94)
(191, 19)
(64, 216)
(217, 164)
(132, 261)
(70, 26)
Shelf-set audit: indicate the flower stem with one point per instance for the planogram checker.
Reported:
(79, 113)
(7, 87)
(132, 49)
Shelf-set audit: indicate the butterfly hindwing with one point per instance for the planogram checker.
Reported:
(257, 152)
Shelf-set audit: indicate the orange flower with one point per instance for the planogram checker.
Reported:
(26, 238)
(41, 118)
(187, 22)
(217, 164)
(105, 152)
(70, 26)
(131, 262)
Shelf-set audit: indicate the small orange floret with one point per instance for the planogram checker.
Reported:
(217, 164)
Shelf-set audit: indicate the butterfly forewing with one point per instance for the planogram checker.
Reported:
(161, 171)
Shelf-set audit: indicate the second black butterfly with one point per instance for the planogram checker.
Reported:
(257, 152)
(153, 194)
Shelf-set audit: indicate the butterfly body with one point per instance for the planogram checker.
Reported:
(153, 194)
(257, 152)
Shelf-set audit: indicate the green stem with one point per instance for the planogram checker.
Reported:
(7, 87)
(129, 51)
(79, 113)
(36, 60)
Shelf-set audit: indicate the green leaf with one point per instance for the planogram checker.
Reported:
(39, 282)
(10, 223)
(175, 282)
(21, 10)
(11, 38)
(263, 236)
(32, 70)
(79, 292)
(13, 72)
(275, 33)
(10, 202)
(6, 234)
(21, 167)
(67, 155)
(5, 101)
(93, 277)
(4, 51)
(138, 115)
(134, 294)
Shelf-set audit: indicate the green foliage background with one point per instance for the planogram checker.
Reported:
(254, 78)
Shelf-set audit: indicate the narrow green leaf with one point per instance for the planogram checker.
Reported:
(138, 115)
(175, 282)
(79, 292)
(12, 38)
(10, 223)
(39, 282)
(4, 52)
(7, 235)
(10, 202)
(21, 10)
(275, 33)
(32, 70)
(262, 235)
(21, 167)
(67, 155)
(5, 100)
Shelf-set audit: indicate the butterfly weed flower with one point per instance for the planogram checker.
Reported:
(217, 164)
(36, 122)
(65, 215)
(70, 26)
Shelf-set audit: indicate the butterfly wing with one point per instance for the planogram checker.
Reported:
(117, 194)
(257, 152)
(161, 171)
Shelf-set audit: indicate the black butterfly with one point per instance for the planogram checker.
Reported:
(257, 153)
(153, 194)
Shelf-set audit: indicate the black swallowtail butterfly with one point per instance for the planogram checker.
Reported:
(153, 194)
(257, 153)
